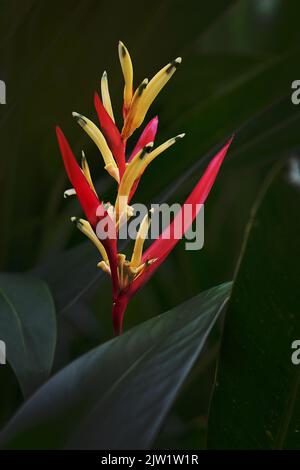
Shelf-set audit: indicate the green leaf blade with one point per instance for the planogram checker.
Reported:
(117, 395)
(256, 404)
(28, 328)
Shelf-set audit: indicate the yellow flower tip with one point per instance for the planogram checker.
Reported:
(145, 150)
(122, 50)
(173, 65)
(148, 262)
(127, 69)
(144, 99)
(106, 95)
(122, 277)
(175, 139)
(179, 136)
(104, 266)
(86, 171)
(133, 116)
(80, 223)
(85, 227)
(142, 87)
(135, 271)
(121, 258)
(69, 192)
(79, 118)
(96, 135)
(161, 148)
(113, 170)
(139, 242)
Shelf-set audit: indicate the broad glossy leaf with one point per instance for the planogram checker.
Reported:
(28, 327)
(117, 395)
(256, 403)
(72, 274)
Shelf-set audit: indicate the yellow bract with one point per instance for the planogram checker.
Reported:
(129, 270)
(146, 94)
(106, 96)
(85, 227)
(127, 70)
(136, 168)
(86, 171)
(105, 267)
(96, 135)
(139, 242)
(128, 180)
(134, 111)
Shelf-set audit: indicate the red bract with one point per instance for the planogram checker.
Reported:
(161, 247)
(87, 198)
(147, 136)
(129, 275)
(111, 133)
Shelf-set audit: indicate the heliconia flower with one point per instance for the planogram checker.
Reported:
(128, 275)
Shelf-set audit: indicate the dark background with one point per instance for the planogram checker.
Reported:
(239, 60)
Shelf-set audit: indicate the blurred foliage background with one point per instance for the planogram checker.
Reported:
(239, 60)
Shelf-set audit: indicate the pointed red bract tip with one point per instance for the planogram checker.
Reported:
(87, 198)
(202, 189)
(161, 247)
(111, 134)
(147, 136)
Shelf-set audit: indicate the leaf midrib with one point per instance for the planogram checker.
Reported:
(145, 354)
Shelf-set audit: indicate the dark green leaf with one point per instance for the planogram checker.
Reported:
(257, 397)
(117, 395)
(71, 274)
(28, 327)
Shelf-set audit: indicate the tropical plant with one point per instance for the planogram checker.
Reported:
(214, 371)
